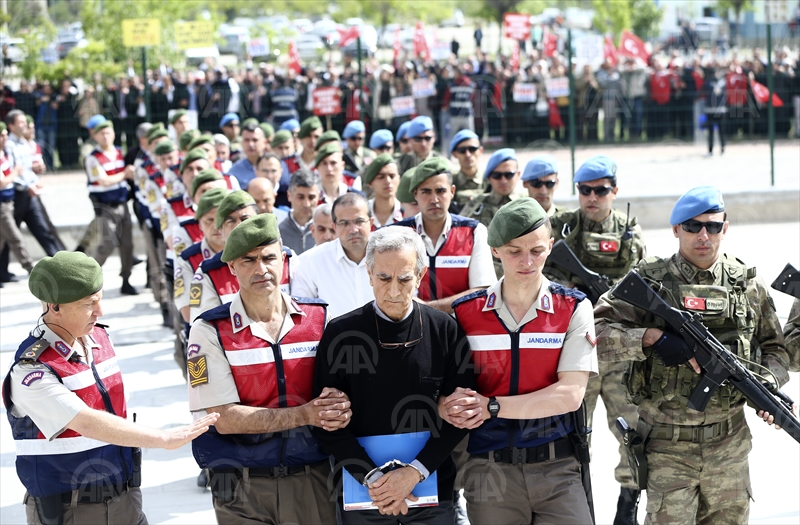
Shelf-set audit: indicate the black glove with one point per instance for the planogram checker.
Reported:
(672, 349)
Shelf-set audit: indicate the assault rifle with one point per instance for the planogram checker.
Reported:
(594, 284)
(788, 281)
(718, 364)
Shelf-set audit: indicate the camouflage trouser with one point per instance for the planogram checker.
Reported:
(609, 385)
(702, 483)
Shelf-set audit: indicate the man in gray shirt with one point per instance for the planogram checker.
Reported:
(303, 195)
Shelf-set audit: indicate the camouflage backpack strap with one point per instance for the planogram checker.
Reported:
(654, 268)
(567, 226)
(474, 206)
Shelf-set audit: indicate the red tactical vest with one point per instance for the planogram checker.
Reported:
(182, 207)
(192, 228)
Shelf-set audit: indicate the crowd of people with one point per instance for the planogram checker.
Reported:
(333, 293)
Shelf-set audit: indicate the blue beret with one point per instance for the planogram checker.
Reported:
(290, 125)
(227, 118)
(95, 120)
(598, 167)
(353, 128)
(499, 157)
(418, 126)
(380, 137)
(401, 132)
(539, 166)
(460, 137)
(697, 201)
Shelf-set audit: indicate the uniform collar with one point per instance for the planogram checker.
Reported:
(596, 227)
(240, 319)
(496, 199)
(60, 346)
(692, 273)
(494, 296)
(205, 249)
(448, 224)
(396, 216)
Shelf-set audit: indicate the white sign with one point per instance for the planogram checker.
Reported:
(557, 87)
(440, 51)
(589, 50)
(258, 47)
(525, 92)
(423, 88)
(403, 106)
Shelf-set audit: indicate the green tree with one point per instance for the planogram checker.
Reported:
(738, 7)
(646, 18)
(611, 17)
(382, 12)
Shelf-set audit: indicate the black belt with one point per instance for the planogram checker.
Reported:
(264, 472)
(95, 493)
(698, 434)
(560, 448)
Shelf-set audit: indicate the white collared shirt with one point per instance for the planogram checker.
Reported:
(395, 216)
(326, 273)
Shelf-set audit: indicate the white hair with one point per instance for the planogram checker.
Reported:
(395, 238)
(219, 138)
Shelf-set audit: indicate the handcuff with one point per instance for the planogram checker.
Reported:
(376, 473)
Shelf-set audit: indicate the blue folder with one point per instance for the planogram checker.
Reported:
(402, 447)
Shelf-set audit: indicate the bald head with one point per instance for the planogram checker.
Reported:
(263, 192)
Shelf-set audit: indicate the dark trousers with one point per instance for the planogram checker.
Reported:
(30, 210)
(444, 514)
(718, 119)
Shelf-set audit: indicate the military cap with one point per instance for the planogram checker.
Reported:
(187, 137)
(94, 121)
(401, 131)
(227, 118)
(193, 155)
(204, 176)
(404, 193)
(267, 128)
(164, 147)
(326, 150)
(281, 137)
(328, 136)
(309, 125)
(354, 127)
(102, 125)
(65, 278)
(155, 128)
(515, 219)
(29, 119)
(210, 200)
(2, 126)
(418, 126)
(176, 115)
(539, 166)
(157, 135)
(377, 164)
(249, 121)
(497, 158)
(379, 138)
(427, 169)
(598, 167)
(289, 125)
(260, 230)
(233, 201)
(205, 138)
(697, 201)
(460, 137)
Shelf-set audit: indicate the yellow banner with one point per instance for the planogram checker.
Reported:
(141, 32)
(193, 35)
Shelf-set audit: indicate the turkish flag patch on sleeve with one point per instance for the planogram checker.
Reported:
(694, 303)
(609, 246)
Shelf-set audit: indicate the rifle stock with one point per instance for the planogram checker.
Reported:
(718, 364)
(594, 283)
(788, 281)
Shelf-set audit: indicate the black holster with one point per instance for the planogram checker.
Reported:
(635, 442)
(136, 476)
(50, 509)
(580, 439)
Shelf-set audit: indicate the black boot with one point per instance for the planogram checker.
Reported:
(626, 507)
(202, 478)
(166, 318)
(127, 288)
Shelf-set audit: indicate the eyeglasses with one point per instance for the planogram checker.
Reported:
(403, 141)
(357, 138)
(538, 183)
(394, 346)
(464, 149)
(426, 138)
(497, 175)
(693, 226)
(600, 191)
(360, 222)
(384, 148)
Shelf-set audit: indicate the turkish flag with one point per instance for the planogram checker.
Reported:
(694, 303)
(420, 42)
(294, 58)
(348, 35)
(761, 93)
(610, 51)
(609, 246)
(632, 46)
(549, 42)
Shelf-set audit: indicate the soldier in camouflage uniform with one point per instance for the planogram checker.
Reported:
(540, 178)
(607, 242)
(469, 182)
(229, 125)
(502, 174)
(697, 461)
(791, 331)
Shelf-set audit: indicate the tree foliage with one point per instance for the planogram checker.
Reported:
(646, 18)
(383, 12)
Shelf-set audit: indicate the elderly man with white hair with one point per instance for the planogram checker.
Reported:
(394, 357)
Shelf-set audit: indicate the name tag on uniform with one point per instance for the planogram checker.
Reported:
(453, 261)
(701, 303)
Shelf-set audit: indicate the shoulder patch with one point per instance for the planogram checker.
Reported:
(32, 377)
(33, 352)
(216, 313)
(212, 263)
(469, 297)
(567, 292)
(195, 294)
(198, 370)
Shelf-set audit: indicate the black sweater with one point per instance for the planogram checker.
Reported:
(394, 391)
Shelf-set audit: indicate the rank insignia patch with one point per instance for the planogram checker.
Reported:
(198, 373)
(62, 348)
(195, 293)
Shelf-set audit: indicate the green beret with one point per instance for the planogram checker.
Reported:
(175, 116)
(309, 125)
(376, 166)
(155, 128)
(267, 128)
(325, 151)
(163, 148)
(260, 230)
(210, 200)
(193, 155)
(328, 136)
(248, 121)
(204, 176)
(187, 137)
(427, 169)
(2, 126)
(202, 139)
(280, 137)
(233, 201)
(103, 125)
(157, 135)
(515, 219)
(404, 193)
(29, 119)
(65, 278)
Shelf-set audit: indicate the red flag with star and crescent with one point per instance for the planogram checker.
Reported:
(549, 42)
(348, 35)
(610, 51)
(398, 46)
(294, 58)
(420, 42)
(632, 46)
(761, 92)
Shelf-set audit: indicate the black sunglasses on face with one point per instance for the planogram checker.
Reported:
(464, 149)
(356, 138)
(403, 141)
(497, 175)
(384, 148)
(600, 191)
(693, 226)
(538, 183)
(426, 138)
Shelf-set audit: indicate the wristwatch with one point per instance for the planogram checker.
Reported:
(494, 407)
